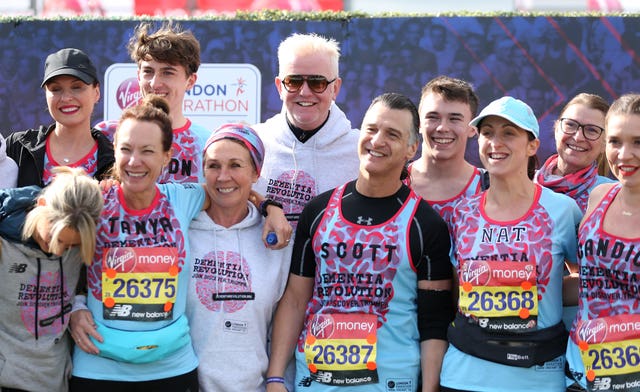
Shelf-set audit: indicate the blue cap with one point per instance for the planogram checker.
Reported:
(513, 110)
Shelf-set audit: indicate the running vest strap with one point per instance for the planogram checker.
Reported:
(523, 349)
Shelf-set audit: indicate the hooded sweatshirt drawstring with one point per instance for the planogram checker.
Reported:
(220, 258)
(61, 291)
(35, 320)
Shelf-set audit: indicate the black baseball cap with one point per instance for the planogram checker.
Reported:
(69, 61)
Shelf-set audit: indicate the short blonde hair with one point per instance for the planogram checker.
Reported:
(72, 200)
(305, 44)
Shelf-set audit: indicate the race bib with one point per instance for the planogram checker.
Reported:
(139, 284)
(341, 349)
(503, 296)
(610, 351)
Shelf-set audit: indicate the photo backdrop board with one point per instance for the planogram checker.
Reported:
(542, 60)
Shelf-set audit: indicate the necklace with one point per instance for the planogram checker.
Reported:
(623, 205)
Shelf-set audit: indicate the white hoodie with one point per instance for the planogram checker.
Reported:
(234, 288)
(294, 172)
(8, 167)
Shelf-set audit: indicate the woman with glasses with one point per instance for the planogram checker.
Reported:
(579, 164)
(310, 145)
(577, 168)
(604, 350)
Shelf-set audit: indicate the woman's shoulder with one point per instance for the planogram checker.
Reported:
(15, 203)
(599, 191)
(557, 197)
(559, 205)
(28, 134)
(597, 194)
(185, 195)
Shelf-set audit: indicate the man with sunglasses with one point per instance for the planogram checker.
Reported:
(310, 146)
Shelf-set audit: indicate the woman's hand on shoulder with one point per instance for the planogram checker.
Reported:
(277, 223)
(108, 183)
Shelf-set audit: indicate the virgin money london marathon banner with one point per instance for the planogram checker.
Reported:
(222, 93)
(542, 60)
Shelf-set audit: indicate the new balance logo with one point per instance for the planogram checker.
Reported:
(18, 268)
(602, 384)
(121, 311)
(305, 382)
(325, 377)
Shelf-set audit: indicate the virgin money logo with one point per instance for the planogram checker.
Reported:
(128, 93)
(476, 272)
(593, 331)
(322, 326)
(121, 259)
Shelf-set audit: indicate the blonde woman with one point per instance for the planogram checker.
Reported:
(602, 353)
(38, 276)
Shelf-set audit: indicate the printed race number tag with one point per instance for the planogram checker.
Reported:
(139, 284)
(341, 348)
(502, 295)
(610, 351)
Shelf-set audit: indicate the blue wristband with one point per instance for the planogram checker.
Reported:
(279, 380)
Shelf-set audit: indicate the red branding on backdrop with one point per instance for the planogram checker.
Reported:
(128, 93)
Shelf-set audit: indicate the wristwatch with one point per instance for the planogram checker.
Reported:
(266, 203)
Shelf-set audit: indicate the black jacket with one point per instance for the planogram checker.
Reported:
(28, 148)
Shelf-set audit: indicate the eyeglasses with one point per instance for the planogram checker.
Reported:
(589, 131)
(317, 83)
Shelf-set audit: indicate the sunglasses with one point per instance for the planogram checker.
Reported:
(317, 83)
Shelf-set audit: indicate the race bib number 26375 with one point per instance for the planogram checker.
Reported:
(139, 284)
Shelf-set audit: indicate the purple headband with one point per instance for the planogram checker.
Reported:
(243, 133)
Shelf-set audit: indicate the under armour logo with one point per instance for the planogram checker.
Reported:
(363, 221)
